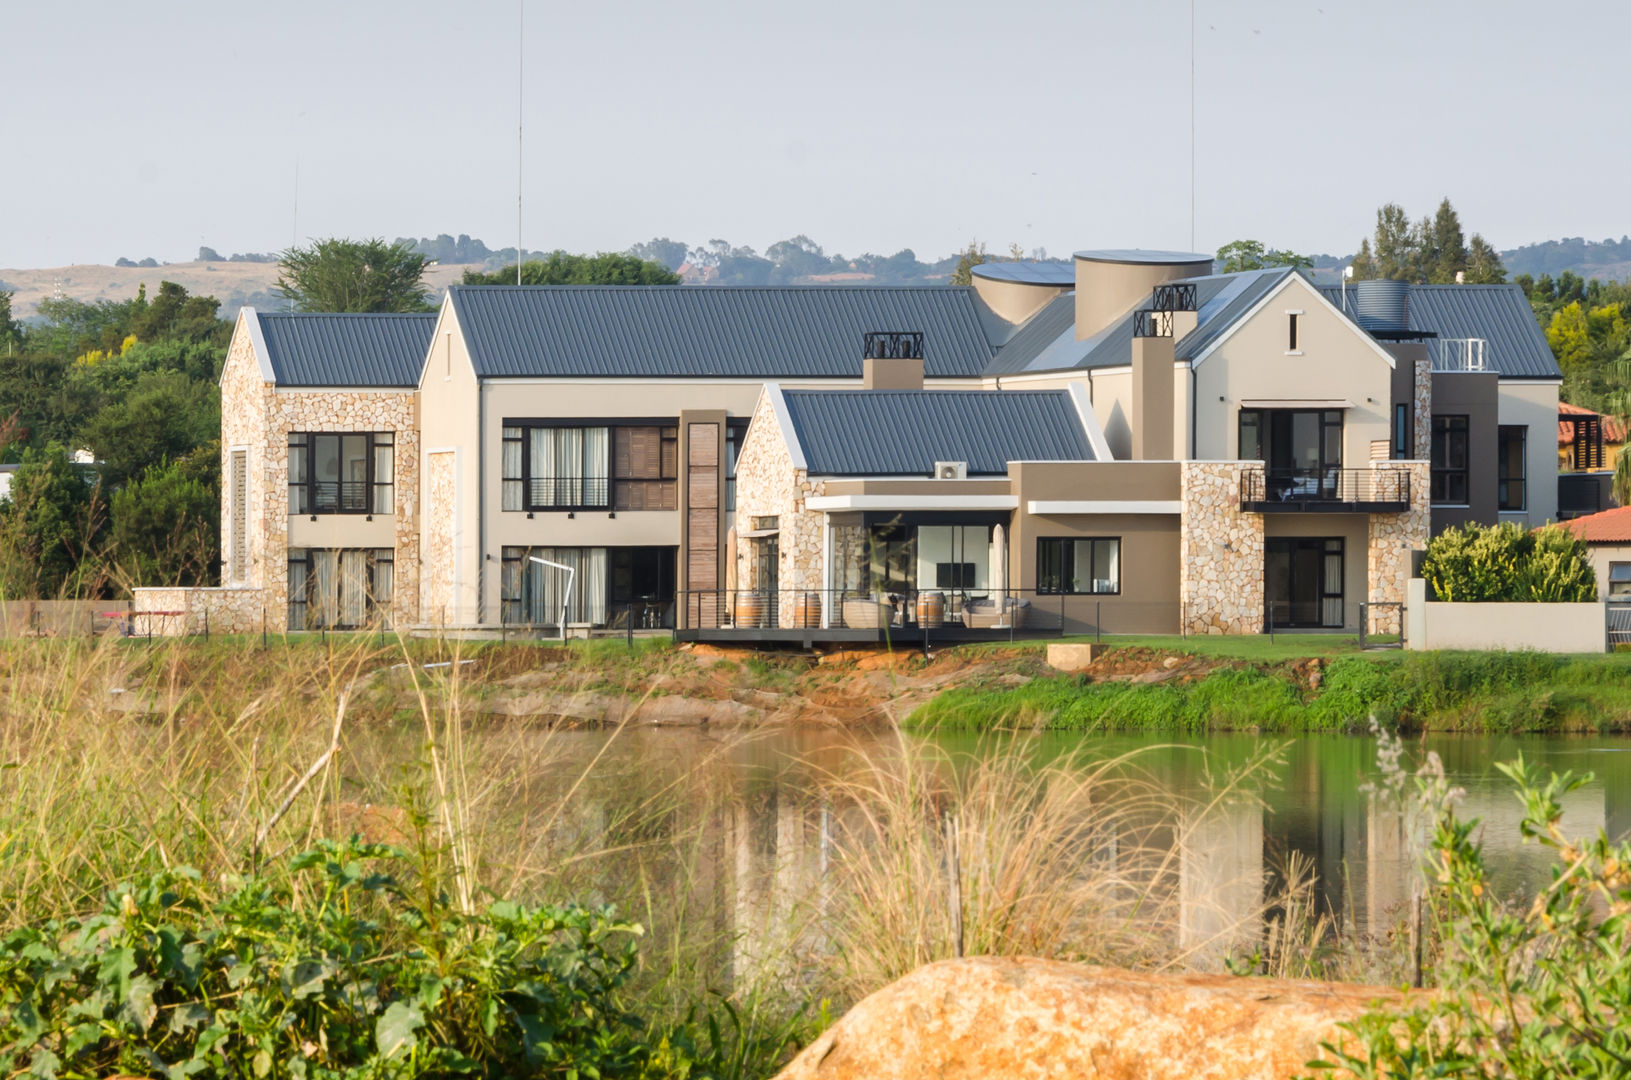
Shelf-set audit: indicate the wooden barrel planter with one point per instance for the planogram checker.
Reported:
(750, 609)
(931, 609)
(807, 611)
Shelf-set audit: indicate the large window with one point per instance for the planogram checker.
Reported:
(346, 472)
(339, 588)
(1511, 467)
(735, 432)
(1079, 567)
(1449, 480)
(573, 467)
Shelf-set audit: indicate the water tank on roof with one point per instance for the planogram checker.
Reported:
(1380, 304)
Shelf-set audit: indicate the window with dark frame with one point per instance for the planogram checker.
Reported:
(1072, 566)
(342, 472)
(1511, 469)
(1619, 581)
(735, 432)
(340, 588)
(563, 466)
(1291, 318)
(1401, 430)
(1449, 461)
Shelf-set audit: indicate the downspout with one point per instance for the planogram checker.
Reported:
(481, 501)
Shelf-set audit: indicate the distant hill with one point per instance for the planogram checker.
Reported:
(235, 284)
(1609, 260)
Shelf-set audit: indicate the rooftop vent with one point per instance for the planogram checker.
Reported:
(951, 470)
(892, 345)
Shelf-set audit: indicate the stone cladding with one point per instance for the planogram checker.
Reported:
(768, 485)
(258, 416)
(1392, 538)
(439, 552)
(1221, 551)
(229, 610)
(1424, 412)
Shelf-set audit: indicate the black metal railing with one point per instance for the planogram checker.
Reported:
(1150, 323)
(1296, 489)
(341, 497)
(569, 493)
(955, 613)
(616, 616)
(892, 345)
(1178, 296)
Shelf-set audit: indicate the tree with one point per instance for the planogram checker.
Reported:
(164, 415)
(1396, 249)
(1446, 249)
(11, 331)
(51, 526)
(1252, 255)
(563, 268)
(208, 254)
(1483, 263)
(1364, 264)
(166, 523)
(661, 250)
(795, 258)
(967, 259)
(353, 276)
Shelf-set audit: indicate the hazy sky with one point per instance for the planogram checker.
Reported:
(139, 129)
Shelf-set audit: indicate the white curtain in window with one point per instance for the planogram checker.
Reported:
(597, 464)
(592, 576)
(353, 588)
(1332, 613)
(324, 608)
(543, 451)
(297, 593)
(512, 470)
(1106, 566)
(384, 582)
(569, 465)
(384, 478)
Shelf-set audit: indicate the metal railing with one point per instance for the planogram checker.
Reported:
(619, 617)
(960, 613)
(892, 345)
(569, 493)
(1460, 354)
(341, 497)
(1264, 489)
(1148, 323)
(1174, 296)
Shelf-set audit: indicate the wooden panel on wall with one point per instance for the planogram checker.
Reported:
(703, 550)
(704, 487)
(704, 444)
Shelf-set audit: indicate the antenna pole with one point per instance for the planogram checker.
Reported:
(520, 104)
(294, 226)
(1191, 125)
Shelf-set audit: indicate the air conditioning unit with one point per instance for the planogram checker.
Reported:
(951, 470)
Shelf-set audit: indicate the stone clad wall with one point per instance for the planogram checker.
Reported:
(244, 407)
(1392, 538)
(767, 485)
(1220, 551)
(1424, 411)
(219, 611)
(439, 551)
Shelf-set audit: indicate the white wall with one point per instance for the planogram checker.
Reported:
(1559, 628)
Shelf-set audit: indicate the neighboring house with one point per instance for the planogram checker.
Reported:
(1244, 447)
(1588, 444)
(1608, 538)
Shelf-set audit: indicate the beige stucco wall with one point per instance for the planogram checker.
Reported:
(1602, 555)
(449, 436)
(1533, 404)
(1337, 362)
(258, 417)
(1557, 628)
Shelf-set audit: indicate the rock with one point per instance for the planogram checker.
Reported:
(1171, 662)
(999, 1017)
(1073, 657)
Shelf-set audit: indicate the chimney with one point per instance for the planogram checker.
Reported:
(892, 360)
(1109, 283)
(1153, 385)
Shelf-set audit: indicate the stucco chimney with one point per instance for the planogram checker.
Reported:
(1151, 421)
(892, 360)
(1109, 283)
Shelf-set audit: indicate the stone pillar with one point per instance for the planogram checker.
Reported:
(1392, 538)
(1221, 548)
(1423, 421)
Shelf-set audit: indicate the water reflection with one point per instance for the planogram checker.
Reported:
(764, 826)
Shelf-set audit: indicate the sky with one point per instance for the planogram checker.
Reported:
(869, 125)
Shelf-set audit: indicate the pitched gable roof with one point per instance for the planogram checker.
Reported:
(721, 331)
(1500, 314)
(904, 432)
(332, 349)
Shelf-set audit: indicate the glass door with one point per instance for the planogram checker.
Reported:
(1302, 582)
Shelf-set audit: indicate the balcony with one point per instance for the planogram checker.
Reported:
(1460, 354)
(1327, 491)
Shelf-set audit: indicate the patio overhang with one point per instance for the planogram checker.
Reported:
(912, 502)
(1063, 507)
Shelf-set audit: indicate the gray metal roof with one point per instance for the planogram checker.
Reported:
(329, 349)
(1029, 271)
(904, 432)
(1141, 255)
(1500, 314)
(699, 331)
(1047, 342)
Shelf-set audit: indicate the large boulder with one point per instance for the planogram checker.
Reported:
(998, 1017)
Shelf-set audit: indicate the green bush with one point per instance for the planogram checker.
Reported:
(1529, 990)
(1479, 563)
(338, 972)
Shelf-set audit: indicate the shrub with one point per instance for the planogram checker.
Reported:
(1532, 989)
(1479, 563)
(339, 972)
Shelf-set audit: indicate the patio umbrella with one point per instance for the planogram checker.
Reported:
(999, 572)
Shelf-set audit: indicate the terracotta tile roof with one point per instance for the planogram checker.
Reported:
(1608, 527)
(1613, 426)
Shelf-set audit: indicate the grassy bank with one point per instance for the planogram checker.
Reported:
(1516, 693)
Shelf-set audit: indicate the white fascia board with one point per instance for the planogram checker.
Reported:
(1058, 507)
(913, 502)
(1090, 423)
(257, 344)
(1268, 298)
(784, 420)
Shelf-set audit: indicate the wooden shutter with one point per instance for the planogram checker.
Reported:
(702, 498)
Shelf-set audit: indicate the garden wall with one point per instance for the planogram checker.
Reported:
(1559, 628)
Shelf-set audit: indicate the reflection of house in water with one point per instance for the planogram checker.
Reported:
(1220, 881)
